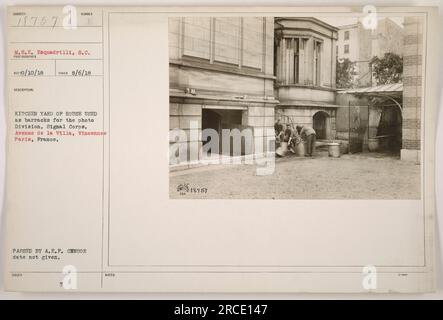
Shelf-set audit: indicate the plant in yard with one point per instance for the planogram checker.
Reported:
(345, 73)
(388, 69)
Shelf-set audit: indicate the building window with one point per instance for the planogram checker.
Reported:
(346, 35)
(317, 63)
(252, 42)
(238, 42)
(226, 40)
(346, 48)
(298, 45)
(197, 37)
(292, 57)
(299, 61)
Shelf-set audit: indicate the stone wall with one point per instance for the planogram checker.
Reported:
(387, 38)
(223, 63)
(412, 88)
(186, 115)
(183, 116)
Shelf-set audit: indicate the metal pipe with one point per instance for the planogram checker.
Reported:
(349, 125)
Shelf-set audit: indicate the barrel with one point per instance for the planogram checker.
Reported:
(334, 149)
(373, 144)
(282, 150)
(300, 149)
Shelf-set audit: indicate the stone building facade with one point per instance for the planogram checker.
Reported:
(412, 88)
(360, 45)
(354, 43)
(305, 69)
(221, 77)
(246, 72)
(387, 37)
(400, 105)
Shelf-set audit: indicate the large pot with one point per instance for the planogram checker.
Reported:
(334, 149)
(300, 149)
(373, 144)
(282, 150)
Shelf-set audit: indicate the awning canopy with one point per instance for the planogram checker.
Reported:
(379, 95)
(390, 89)
(305, 103)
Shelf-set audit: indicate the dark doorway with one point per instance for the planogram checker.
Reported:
(321, 124)
(390, 129)
(211, 120)
(219, 119)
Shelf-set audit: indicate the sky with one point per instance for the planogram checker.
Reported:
(342, 21)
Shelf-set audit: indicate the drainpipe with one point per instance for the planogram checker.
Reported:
(349, 125)
(369, 115)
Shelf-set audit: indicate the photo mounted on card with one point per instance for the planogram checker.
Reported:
(221, 149)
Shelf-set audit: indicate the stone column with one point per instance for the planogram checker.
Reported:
(412, 88)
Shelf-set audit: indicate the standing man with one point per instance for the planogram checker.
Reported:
(278, 127)
(288, 133)
(308, 134)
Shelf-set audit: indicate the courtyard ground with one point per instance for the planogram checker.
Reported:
(356, 176)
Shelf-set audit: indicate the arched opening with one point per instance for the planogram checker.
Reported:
(321, 124)
(390, 129)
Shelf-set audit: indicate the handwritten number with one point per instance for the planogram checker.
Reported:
(54, 18)
(34, 21)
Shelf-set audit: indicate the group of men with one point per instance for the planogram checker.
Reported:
(294, 137)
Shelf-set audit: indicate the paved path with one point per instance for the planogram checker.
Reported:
(359, 176)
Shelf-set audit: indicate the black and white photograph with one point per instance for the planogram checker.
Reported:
(295, 107)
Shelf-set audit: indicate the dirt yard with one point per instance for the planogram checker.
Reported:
(358, 176)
